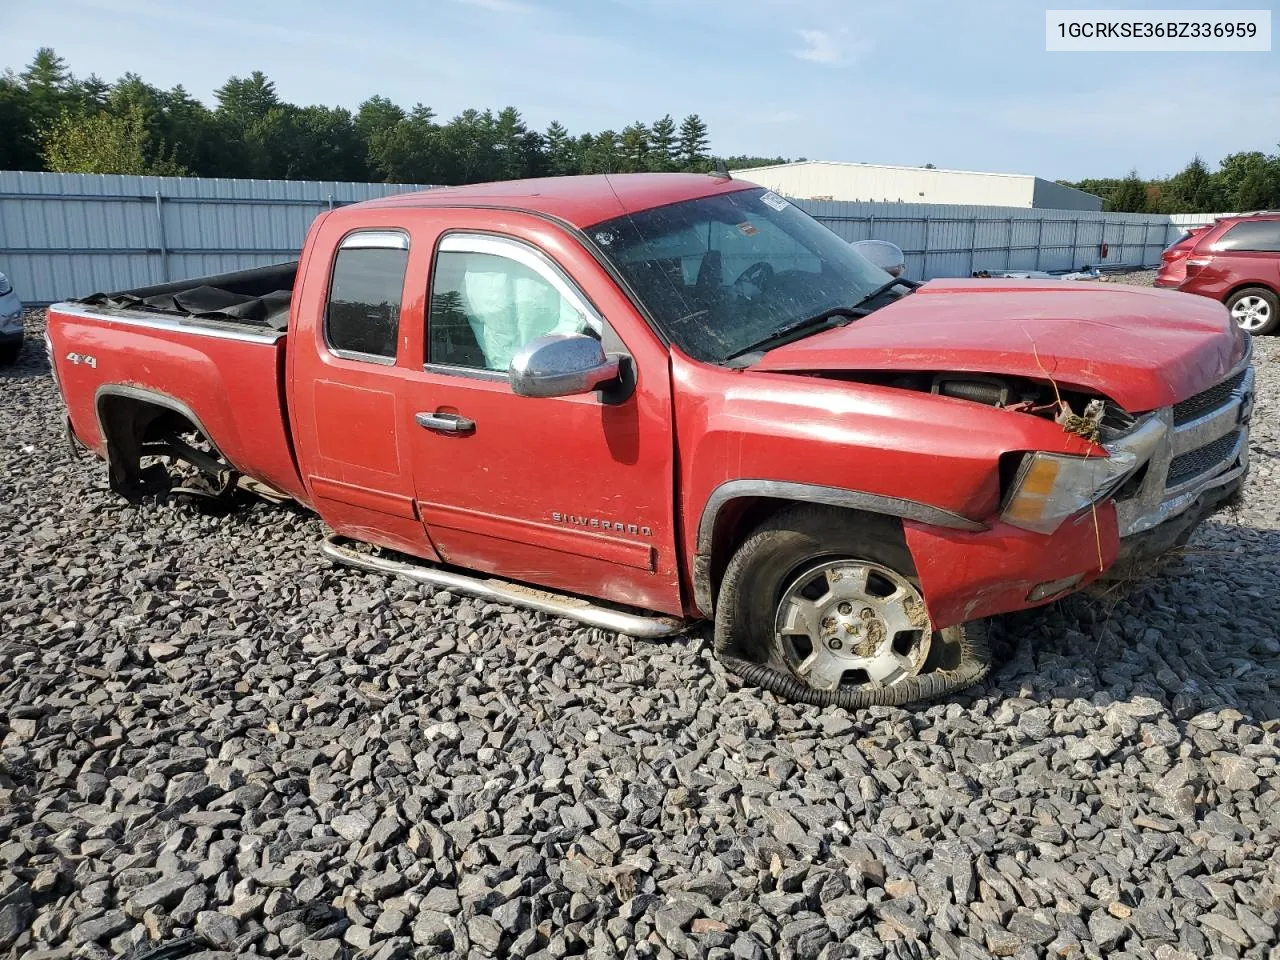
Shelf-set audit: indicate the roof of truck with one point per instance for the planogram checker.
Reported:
(581, 201)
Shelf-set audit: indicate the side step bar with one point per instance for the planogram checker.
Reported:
(504, 591)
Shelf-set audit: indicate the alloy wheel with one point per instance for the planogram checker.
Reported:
(1252, 313)
(852, 622)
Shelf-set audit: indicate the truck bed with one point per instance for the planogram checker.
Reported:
(257, 298)
(210, 350)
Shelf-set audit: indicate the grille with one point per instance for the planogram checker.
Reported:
(1203, 403)
(1198, 461)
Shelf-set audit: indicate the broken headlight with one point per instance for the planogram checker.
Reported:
(1050, 487)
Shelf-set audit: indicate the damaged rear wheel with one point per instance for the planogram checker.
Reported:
(822, 606)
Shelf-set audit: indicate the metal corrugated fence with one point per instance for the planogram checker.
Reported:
(955, 240)
(71, 234)
(68, 234)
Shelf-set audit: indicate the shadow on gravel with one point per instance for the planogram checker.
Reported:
(1199, 637)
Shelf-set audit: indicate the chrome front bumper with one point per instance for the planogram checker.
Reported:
(1188, 455)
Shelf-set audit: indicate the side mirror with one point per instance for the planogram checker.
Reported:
(883, 254)
(561, 365)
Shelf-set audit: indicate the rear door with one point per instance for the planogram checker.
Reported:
(347, 362)
(575, 493)
(1249, 252)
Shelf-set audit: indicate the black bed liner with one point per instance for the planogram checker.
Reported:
(257, 297)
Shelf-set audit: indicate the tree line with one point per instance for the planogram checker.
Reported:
(1242, 182)
(55, 121)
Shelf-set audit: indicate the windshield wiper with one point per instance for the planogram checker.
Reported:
(794, 330)
(885, 288)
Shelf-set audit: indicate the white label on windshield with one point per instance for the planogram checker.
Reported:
(773, 200)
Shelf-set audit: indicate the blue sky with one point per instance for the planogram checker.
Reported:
(965, 85)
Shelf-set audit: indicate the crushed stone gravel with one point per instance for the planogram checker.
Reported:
(206, 729)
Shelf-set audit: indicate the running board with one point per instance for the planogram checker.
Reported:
(504, 591)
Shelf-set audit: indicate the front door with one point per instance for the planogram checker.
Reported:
(573, 493)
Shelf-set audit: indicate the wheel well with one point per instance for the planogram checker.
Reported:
(1246, 286)
(137, 424)
(740, 517)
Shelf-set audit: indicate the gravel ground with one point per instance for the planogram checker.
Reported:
(207, 728)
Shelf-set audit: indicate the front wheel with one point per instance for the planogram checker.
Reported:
(1255, 309)
(823, 606)
(9, 353)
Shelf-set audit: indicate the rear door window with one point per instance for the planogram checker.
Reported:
(1251, 235)
(362, 321)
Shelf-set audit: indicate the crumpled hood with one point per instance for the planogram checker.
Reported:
(1143, 348)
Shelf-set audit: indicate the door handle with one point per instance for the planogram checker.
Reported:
(445, 422)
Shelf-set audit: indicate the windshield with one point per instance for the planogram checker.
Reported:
(724, 272)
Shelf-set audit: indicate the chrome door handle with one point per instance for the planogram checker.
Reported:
(445, 422)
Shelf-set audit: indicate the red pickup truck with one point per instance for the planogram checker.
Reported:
(640, 400)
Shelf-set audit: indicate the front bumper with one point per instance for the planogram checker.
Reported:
(10, 319)
(1199, 445)
(1192, 458)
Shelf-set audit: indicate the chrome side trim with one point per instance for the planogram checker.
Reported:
(362, 357)
(470, 373)
(805, 493)
(503, 591)
(375, 240)
(168, 322)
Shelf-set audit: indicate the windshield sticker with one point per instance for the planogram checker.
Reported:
(771, 199)
(748, 229)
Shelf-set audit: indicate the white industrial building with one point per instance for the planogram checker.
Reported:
(830, 180)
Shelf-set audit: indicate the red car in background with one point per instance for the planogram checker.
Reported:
(1235, 260)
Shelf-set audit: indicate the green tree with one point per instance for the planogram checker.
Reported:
(48, 86)
(1130, 196)
(19, 137)
(745, 162)
(633, 146)
(247, 130)
(692, 147)
(510, 136)
(1193, 190)
(1249, 181)
(602, 155)
(409, 150)
(662, 144)
(561, 153)
(105, 143)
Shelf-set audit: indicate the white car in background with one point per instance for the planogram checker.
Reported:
(10, 323)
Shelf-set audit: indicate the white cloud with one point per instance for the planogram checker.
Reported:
(821, 46)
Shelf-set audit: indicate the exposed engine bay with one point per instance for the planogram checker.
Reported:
(1090, 416)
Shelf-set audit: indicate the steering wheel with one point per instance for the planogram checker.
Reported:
(757, 275)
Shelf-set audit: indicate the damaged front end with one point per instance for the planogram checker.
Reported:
(1113, 512)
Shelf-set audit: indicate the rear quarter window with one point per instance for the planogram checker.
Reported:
(362, 320)
(1250, 235)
